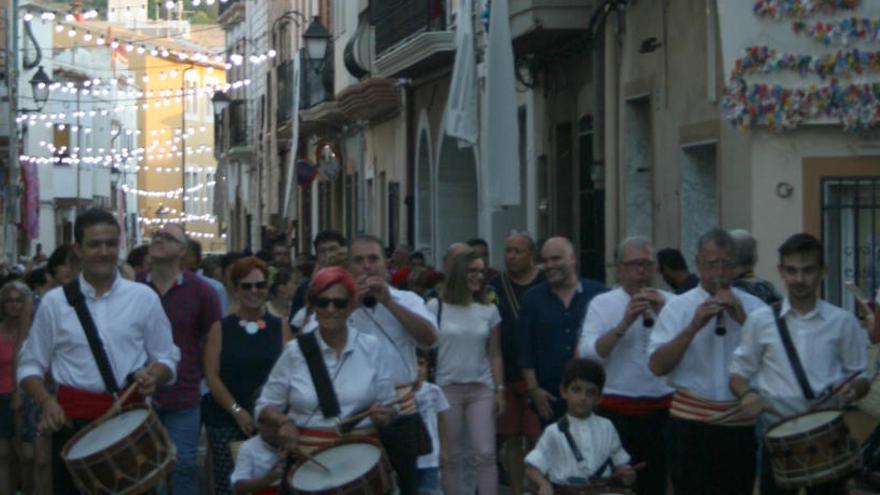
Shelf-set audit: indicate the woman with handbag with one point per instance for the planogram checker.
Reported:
(470, 371)
(239, 353)
(333, 373)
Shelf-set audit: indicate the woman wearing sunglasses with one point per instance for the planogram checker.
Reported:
(239, 353)
(358, 373)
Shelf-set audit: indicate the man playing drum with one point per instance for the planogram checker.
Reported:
(827, 340)
(131, 326)
(693, 342)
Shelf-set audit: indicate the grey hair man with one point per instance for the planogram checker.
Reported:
(746, 259)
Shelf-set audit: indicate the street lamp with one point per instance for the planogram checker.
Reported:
(40, 86)
(220, 102)
(316, 38)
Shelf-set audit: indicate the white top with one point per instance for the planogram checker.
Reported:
(130, 321)
(594, 436)
(255, 459)
(703, 369)
(462, 341)
(627, 365)
(829, 341)
(396, 343)
(431, 402)
(360, 378)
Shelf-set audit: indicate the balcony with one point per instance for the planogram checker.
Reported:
(231, 12)
(411, 37)
(539, 24)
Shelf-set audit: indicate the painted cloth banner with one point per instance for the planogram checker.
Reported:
(30, 218)
(502, 133)
(461, 107)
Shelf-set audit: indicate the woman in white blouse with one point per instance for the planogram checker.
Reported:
(470, 371)
(354, 363)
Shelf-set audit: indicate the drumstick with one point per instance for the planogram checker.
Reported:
(363, 414)
(311, 459)
(119, 402)
(836, 389)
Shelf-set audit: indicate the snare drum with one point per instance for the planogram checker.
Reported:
(127, 454)
(352, 468)
(812, 448)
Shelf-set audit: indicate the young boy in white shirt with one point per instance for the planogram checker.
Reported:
(258, 467)
(582, 446)
(431, 403)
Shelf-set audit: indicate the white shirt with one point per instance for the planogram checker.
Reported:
(360, 378)
(627, 365)
(431, 401)
(594, 436)
(829, 342)
(255, 459)
(396, 343)
(703, 369)
(462, 340)
(131, 324)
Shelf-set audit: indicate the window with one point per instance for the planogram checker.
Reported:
(851, 235)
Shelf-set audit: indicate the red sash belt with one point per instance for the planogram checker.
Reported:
(272, 490)
(635, 406)
(82, 404)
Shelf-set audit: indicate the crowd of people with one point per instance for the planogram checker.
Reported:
(466, 376)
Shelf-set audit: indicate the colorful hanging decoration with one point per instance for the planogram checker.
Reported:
(841, 32)
(856, 106)
(841, 64)
(778, 9)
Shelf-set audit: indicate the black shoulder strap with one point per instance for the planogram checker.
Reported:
(563, 426)
(308, 343)
(439, 311)
(75, 298)
(793, 358)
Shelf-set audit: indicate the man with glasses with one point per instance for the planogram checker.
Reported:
(692, 345)
(549, 326)
(616, 332)
(192, 307)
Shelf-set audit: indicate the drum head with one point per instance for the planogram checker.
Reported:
(803, 423)
(107, 433)
(345, 463)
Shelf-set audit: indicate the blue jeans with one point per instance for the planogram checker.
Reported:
(184, 427)
(429, 481)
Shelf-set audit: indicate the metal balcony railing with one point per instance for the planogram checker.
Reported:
(396, 20)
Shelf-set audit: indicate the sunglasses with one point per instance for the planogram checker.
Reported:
(338, 302)
(253, 285)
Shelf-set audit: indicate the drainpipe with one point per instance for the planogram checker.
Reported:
(612, 157)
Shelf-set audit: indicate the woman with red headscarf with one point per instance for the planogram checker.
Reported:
(358, 374)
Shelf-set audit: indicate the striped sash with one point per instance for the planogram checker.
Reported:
(689, 406)
(407, 395)
(312, 439)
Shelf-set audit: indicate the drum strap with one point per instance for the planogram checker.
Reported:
(563, 426)
(308, 343)
(793, 358)
(76, 299)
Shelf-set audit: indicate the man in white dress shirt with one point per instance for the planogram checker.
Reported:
(828, 342)
(692, 345)
(401, 322)
(131, 325)
(616, 332)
